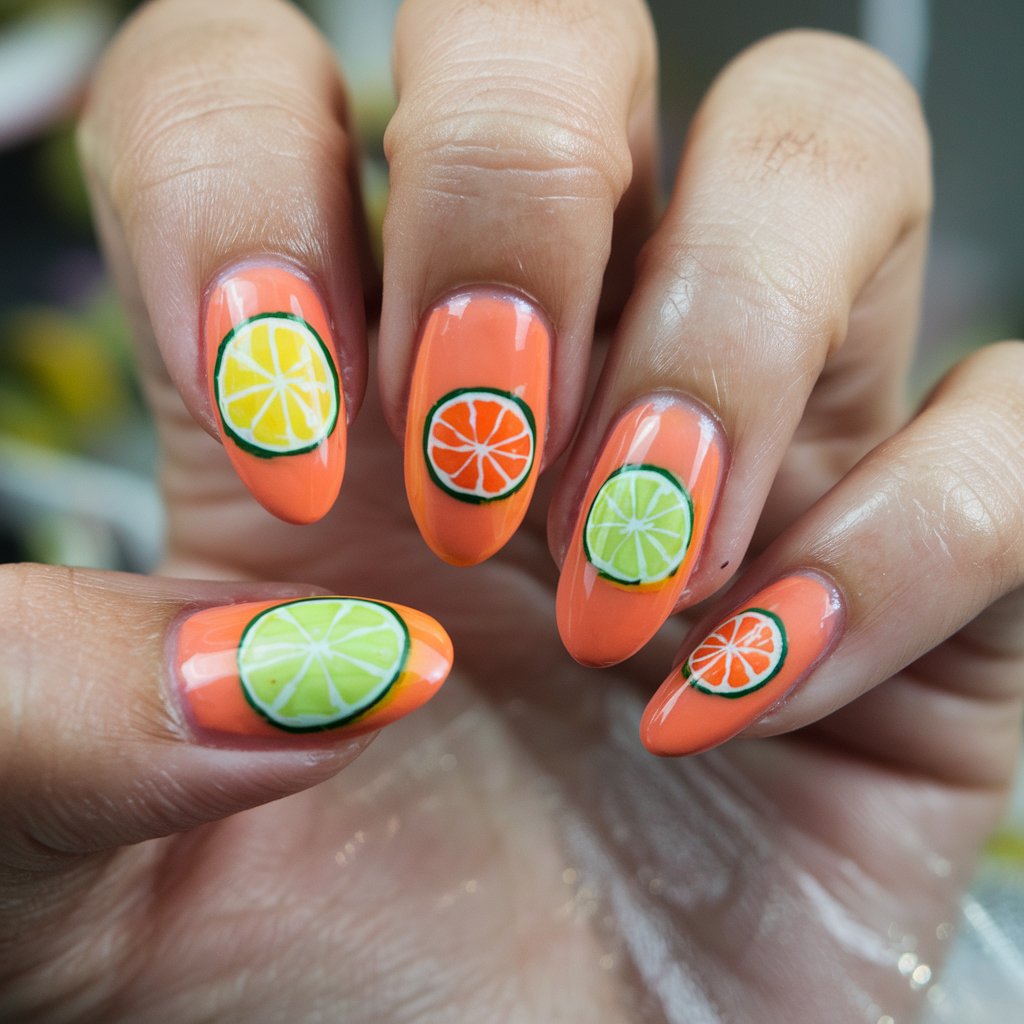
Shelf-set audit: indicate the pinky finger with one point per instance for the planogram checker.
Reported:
(921, 537)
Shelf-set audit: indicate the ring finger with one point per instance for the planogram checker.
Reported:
(766, 341)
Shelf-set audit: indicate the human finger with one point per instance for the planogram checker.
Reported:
(519, 128)
(765, 345)
(912, 545)
(138, 707)
(221, 165)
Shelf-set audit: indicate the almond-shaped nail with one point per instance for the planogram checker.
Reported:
(274, 385)
(476, 421)
(274, 670)
(746, 664)
(640, 528)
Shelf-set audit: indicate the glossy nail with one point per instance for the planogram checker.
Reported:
(274, 386)
(275, 670)
(476, 421)
(640, 529)
(744, 666)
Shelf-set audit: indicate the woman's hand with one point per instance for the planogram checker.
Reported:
(511, 852)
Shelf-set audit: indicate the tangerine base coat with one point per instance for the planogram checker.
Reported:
(475, 339)
(206, 664)
(681, 719)
(603, 622)
(298, 488)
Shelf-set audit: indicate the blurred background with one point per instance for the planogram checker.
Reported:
(77, 453)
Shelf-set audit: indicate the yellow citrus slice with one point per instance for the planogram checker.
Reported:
(479, 443)
(740, 656)
(639, 525)
(276, 386)
(319, 662)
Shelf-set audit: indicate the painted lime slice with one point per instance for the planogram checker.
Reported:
(276, 386)
(479, 443)
(740, 656)
(639, 525)
(320, 662)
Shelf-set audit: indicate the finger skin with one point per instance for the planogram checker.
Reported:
(197, 165)
(509, 153)
(920, 538)
(805, 172)
(100, 749)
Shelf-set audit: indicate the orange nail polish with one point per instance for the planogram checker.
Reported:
(476, 420)
(640, 528)
(749, 662)
(273, 670)
(275, 390)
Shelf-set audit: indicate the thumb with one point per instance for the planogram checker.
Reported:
(134, 707)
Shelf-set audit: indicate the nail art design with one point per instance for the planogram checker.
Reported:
(309, 665)
(744, 666)
(479, 444)
(639, 526)
(640, 529)
(476, 421)
(275, 390)
(743, 654)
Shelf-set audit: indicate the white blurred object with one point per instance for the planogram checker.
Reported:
(361, 34)
(45, 58)
(109, 517)
(901, 30)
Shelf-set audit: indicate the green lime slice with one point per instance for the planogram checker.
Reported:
(320, 662)
(639, 525)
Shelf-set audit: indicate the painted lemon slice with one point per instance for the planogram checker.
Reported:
(276, 386)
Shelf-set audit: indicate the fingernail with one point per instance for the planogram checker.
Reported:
(640, 529)
(274, 670)
(274, 386)
(476, 420)
(749, 662)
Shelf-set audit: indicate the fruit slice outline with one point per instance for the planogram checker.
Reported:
(271, 711)
(667, 483)
(242, 330)
(723, 644)
(463, 443)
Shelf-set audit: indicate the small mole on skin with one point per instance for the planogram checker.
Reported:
(723, 565)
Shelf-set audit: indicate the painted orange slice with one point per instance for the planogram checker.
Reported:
(479, 444)
(740, 656)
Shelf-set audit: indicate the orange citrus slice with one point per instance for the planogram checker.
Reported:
(740, 656)
(479, 444)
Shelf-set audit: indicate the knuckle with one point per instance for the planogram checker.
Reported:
(758, 285)
(831, 110)
(972, 468)
(29, 594)
(519, 135)
(174, 113)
